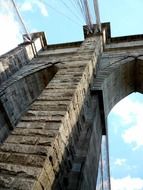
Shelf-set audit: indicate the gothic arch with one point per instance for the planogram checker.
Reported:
(118, 80)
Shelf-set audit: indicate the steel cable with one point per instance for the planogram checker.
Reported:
(70, 9)
(28, 37)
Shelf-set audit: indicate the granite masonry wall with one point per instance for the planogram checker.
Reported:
(58, 111)
(120, 70)
(21, 81)
(46, 150)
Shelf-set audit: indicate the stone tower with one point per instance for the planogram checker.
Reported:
(55, 100)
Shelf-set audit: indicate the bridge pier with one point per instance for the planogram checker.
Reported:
(60, 123)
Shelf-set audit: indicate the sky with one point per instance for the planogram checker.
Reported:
(125, 125)
(61, 20)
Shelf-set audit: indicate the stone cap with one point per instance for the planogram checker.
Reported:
(104, 27)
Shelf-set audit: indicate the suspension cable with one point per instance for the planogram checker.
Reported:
(74, 4)
(63, 14)
(70, 9)
(83, 5)
(28, 38)
(96, 9)
(88, 15)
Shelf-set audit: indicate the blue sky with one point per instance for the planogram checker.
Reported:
(63, 24)
(126, 143)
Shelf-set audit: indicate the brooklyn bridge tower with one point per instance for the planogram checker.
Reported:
(54, 103)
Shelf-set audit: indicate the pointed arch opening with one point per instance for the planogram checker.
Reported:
(116, 81)
(125, 132)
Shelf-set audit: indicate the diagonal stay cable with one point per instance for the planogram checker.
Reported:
(21, 20)
(63, 14)
(88, 15)
(74, 4)
(71, 10)
(85, 10)
(80, 5)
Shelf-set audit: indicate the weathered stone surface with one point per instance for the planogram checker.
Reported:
(25, 149)
(13, 183)
(30, 140)
(23, 159)
(19, 170)
(57, 141)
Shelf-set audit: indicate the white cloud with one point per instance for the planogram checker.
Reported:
(29, 5)
(127, 183)
(10, 32)
(26, 6)
(131, 115)
(120, 162)
(134, 135)
(128, 109)
(42, 8)
(105, 185)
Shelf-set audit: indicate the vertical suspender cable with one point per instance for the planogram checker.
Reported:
(107, 157)
(20, 18)
(96, 9)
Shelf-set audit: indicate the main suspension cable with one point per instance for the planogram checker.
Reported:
(85, 11)
(96, 9)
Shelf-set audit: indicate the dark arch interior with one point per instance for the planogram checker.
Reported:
(116, 82)
(122, 80)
